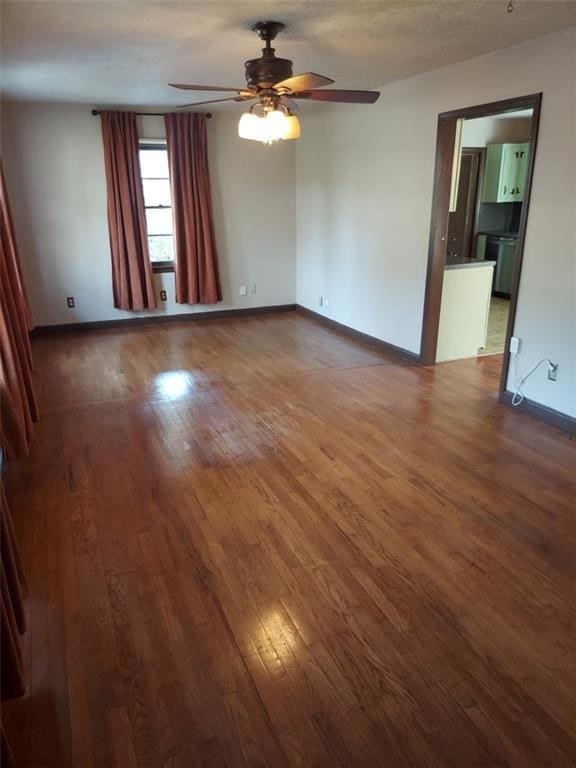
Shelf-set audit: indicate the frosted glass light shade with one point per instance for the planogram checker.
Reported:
(274, 126)
(249, 127)
(292, 127)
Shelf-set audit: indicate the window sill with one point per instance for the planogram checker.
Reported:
(162, 266)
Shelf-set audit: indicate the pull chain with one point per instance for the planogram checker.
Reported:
(510, 6)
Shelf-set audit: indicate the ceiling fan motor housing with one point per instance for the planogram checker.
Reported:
(267, 70)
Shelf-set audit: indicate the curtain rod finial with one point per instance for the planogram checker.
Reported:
(95, 112)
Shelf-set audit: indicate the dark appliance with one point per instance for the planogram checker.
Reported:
(502, 250)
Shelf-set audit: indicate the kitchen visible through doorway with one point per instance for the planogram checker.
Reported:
(484, 166)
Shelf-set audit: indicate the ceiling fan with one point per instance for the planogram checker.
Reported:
(271, 84)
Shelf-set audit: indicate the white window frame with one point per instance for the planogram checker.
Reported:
(157, 266)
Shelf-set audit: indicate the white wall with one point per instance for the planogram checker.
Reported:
(55, 174)
(513, 128)
(364, 194)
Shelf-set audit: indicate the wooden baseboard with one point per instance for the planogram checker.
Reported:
(542, 412)
(382, 346)
(157, 319)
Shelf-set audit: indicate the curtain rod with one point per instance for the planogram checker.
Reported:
(149, 114)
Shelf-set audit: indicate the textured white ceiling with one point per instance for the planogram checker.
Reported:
(124, 53)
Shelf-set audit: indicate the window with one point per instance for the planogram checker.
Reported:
(158, 204)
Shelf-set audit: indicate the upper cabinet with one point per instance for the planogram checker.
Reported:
(505, 174)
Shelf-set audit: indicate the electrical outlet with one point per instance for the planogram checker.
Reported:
(552, 371)
(514, 345)
(326, 304)
(243, 290)
(70, 302)
(163, 296)
(253, 288)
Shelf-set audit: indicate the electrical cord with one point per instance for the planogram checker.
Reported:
(519, 381)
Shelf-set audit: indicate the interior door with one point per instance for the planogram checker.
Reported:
(461, 221)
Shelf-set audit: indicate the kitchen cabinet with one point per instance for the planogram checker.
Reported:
(505, 173)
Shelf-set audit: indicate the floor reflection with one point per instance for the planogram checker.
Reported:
(171, 385)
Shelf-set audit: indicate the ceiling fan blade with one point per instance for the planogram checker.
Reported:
(216, 101)
(185, 87)
(344, 97)
(304, 82)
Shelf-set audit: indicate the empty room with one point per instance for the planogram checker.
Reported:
(288, 392)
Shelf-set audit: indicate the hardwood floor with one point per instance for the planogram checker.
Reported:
(255, 542)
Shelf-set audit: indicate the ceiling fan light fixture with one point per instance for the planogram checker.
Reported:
(274, 125)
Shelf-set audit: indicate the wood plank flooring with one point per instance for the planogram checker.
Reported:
(256, 542)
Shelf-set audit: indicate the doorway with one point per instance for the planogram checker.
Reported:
(479, 213)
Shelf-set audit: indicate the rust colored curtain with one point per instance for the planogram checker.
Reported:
(12, 614)
(132, 280)
(195, 263)
(17, 412)
(17, 401)
(12, 619)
